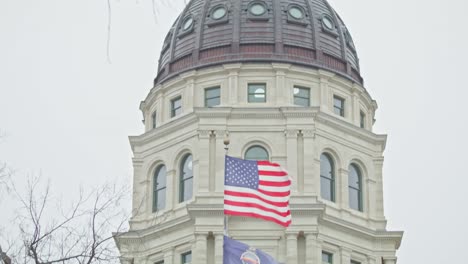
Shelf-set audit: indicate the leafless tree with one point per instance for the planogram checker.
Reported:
(82, 232)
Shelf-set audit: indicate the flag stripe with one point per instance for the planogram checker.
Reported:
(275, 184)
(280, 207)
(258, 212)
(272, 173)
(267, 163)
(257, 205)
(239, 191)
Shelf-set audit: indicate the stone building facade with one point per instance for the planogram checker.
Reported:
(280, 79)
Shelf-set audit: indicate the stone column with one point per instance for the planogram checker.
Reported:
(204, 138)
(376, 191)
(291, 152)
(233, 84)
(218, 250)
(291, 248)
(342, 188)
(313, 248)
(200, 252)
(172, 184)
(324, 102)
(345, 255)
(219, 163)
(169, 256)
(311, 171)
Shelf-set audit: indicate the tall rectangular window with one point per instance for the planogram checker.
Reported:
(339, 105)
(212, 96)
(186, 258)
(257, 93)
(153, 120)
(327, 258)
(355, 262)
(301, 96)
(176, 106)
(362, 119)
(159, 262)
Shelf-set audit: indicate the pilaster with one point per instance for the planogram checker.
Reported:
(311, 169)
(200, 250)
(291, 153)
(219, 241)
(291, 248)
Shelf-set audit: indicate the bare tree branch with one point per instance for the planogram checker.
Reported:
(80, 233)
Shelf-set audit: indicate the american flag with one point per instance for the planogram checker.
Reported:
(258, 189)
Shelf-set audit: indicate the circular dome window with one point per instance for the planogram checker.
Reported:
(218, 12)
(188, 23)
(327, 22)
(296, 12)
(257, 9)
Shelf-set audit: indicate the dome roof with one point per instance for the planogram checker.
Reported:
(301, 32)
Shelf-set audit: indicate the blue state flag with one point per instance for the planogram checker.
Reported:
(236, 252)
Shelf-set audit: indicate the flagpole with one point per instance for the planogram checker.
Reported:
(226, 142)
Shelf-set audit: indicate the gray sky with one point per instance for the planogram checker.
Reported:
(66, 112)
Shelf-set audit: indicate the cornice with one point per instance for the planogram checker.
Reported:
(164, 130)
(351, 129)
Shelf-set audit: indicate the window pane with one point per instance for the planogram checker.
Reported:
(188, 189)
(302, 92)
(187, 257)
(212, 102)
(327, 178)
(187, 167)
(212, 92)
(256, 153)
(327, 257)
(355, 262)
(326, 167)
(161, 177)
(161, 199)
(257, 93)
(326, 189)
(176, 106)
(301, 101)
(354, 199)
(177, 103)
(354, 179)
(186, 177)
(338, 105)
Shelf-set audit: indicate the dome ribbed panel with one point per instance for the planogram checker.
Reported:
(184, 43)
(256, 31)
(215, 33)
(297, 34)
(329, 43)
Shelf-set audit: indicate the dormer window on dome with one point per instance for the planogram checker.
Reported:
(327, 24)
(218, 12)
(257, 9)
(296, 14)
(187, 26)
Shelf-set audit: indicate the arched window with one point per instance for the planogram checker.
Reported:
(256, 153)
(186, 179)
(327, 178)
(159, 188)
(355, 188)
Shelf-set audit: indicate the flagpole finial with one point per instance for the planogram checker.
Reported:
(226, 141)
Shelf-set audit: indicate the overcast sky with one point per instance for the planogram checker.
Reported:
(66, 111)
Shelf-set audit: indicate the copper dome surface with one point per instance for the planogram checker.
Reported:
(301, 32)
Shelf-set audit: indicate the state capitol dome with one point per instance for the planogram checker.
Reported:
(301, 32)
